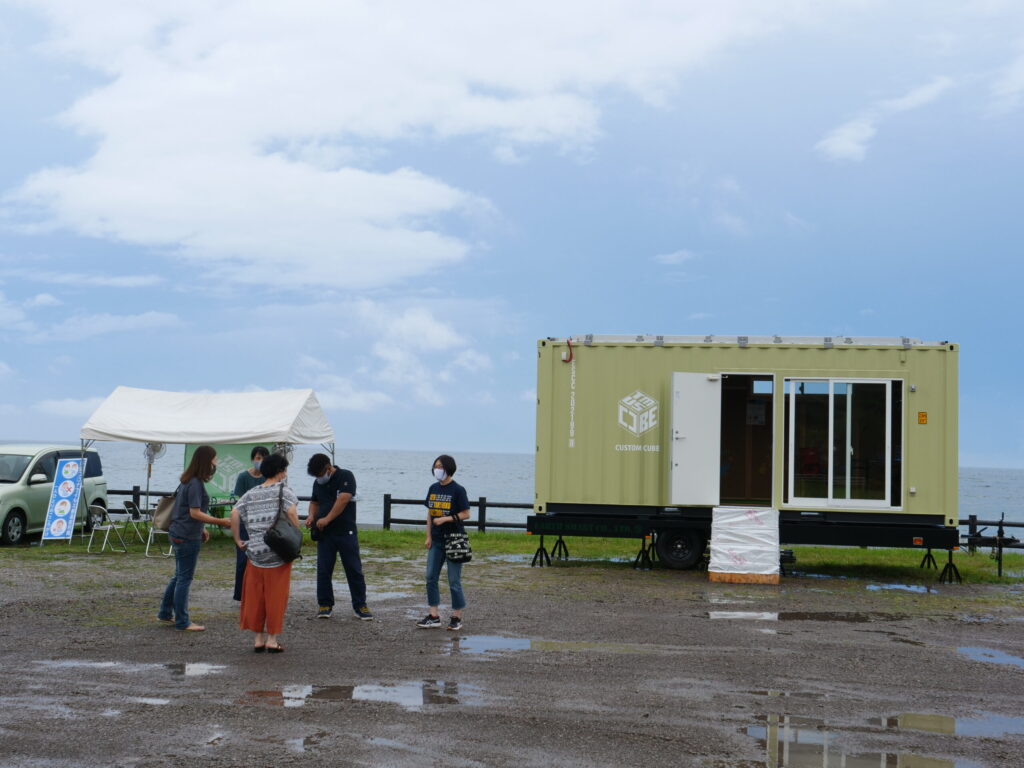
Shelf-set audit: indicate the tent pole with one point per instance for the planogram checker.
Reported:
(329, 447)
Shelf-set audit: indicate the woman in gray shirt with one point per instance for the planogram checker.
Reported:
(267, 580)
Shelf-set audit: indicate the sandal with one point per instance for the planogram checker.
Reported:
(193, 628)
(275, 648)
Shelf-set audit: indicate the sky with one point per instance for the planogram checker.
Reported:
(391, 202)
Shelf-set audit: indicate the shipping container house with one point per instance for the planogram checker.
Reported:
(853, 440)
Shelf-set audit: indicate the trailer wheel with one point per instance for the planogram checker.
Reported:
(680, 548)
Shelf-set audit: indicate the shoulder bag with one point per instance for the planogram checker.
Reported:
(456, 542)
(283, 538)
(165, 511)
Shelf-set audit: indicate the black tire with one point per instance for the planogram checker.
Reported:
(13, 530)
(680, 548)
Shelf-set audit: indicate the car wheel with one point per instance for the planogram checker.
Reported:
(681, 548)
(13, 530)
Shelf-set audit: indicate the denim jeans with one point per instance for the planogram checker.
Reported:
(330, 546)
(436, 559)
(175, 602)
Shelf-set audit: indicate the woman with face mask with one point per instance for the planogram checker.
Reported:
(267, 577)
(247, 480)
(446, 501)
(187, 533)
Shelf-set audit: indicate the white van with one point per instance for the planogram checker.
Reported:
(26, 478)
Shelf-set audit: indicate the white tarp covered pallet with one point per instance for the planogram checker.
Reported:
(744, 545)
(151, 416)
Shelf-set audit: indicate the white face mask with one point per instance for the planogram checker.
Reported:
(439, 474)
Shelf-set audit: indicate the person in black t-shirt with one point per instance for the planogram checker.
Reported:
(446, 500)
(332, 514)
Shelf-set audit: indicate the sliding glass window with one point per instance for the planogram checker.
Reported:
(843, 440)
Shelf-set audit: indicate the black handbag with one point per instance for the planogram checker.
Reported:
(456, 543)
(283, 538)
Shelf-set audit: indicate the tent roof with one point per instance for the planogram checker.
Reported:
(152, 416)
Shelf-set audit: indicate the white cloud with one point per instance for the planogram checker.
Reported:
(732, 223)
(79, 279)
(341, 393)
(12, 317)
(1008, 87)
(240, 135)
(83, 326)
(69, 407)
(5, 370)
(675, 258)
(43, 300)
(849, 141)
(528, 395)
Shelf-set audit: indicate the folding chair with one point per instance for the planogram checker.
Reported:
(106, 526)
(153, 533)
(134, 519)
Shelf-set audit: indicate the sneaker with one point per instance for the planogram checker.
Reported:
(454, 623)
(363, 613)
(324, 612)
(429, 621)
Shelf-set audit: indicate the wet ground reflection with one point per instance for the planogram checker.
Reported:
(409, 695)
(992, 655)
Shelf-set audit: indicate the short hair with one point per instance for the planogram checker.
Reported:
(447, 464)
(273, 465)
(259, 450)
(318, 462)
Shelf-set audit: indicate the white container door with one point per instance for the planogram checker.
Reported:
(696, 439)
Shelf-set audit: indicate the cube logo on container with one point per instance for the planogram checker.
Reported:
(638, 413)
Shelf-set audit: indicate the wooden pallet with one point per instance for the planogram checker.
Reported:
(743, 578)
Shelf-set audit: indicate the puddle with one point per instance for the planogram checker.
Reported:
(991, 655)
(917, 588)
(985, 725)
(299, 744)
(492, 645)
(149, 702)
(509, 558)
(196, 669)
(788, 694)
(856, 618)
(409, 695)
(797, 742)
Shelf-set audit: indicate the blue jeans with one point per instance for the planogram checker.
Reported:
(330, 546)
(436, 559)
(175, 602)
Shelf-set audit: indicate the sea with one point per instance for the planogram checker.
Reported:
(501, 477)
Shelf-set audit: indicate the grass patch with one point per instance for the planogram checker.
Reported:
(903, 565)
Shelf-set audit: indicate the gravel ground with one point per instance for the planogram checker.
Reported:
(585, 664)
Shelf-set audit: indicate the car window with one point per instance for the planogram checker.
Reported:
(12, 467)
(46, 465)
(93, 465)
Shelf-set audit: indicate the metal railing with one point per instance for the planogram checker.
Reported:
(481, 522)
(481, 504)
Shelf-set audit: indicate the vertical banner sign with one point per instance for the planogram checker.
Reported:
(67, 490)
(231, 459)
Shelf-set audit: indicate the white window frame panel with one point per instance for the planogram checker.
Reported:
(789, 390)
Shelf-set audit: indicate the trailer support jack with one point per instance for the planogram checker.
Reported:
(928, 561)
(645, 557)
(541, 555)
(560, 551)
(950, 572)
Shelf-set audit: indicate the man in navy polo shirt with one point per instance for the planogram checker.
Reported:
(332, 522)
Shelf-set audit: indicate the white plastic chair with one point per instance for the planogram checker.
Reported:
(106, 526)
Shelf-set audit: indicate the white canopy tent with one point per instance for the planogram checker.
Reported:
(150, 416)
(285, 418)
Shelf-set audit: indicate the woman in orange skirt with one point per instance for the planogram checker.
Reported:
(267, 577)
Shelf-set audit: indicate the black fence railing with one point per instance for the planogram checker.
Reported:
(481, 522)
(481, 504)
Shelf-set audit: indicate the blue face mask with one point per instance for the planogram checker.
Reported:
(323, 480)
(256, 465)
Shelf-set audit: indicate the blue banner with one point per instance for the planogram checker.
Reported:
(67, 489)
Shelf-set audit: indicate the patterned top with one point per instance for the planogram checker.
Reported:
(258, 508)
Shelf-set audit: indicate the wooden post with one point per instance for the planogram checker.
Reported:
(972, 530)
(387, 511)
(481, 520)
(137, 497)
